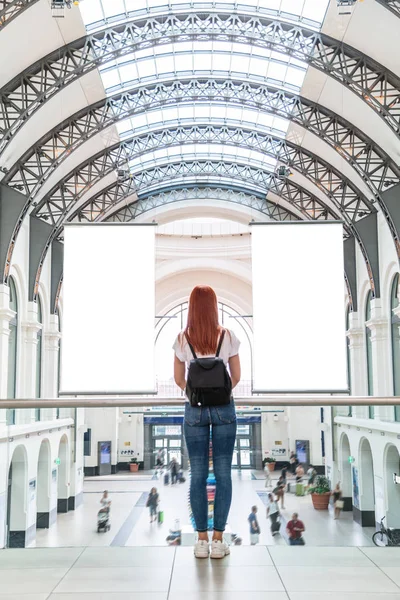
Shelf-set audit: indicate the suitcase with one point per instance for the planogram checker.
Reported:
(166, 479)
(300, 489)
(161, 516)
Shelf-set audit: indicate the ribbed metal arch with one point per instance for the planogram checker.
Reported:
(371, 162)
(184, 173)
(10, 9)
(349, 201)
(372, 82)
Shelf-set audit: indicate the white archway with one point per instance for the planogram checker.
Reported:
(345, 467)
(63, 476)
(367, 486)
(43, 486)
(391, 466)
(17, 510)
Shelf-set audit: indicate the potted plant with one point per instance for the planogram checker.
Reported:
(133, 465)
(320, 493)
(270, 462)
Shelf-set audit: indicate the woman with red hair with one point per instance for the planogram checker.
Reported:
(203, 333)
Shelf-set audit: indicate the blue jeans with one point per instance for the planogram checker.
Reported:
(222, 421)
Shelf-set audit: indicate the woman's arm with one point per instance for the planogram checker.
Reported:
(234, 368)
(179, 373)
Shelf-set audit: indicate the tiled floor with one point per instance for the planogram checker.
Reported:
(254, 573)
(130, 521)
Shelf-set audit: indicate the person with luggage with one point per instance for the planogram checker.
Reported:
(254, 526)
(273, 514)
(152, 503)
(337, 501)
(295, 529)
(208, 410)
(174, 468)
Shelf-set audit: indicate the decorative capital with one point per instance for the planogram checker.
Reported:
(378, 327)
(356, 336)
(6, 314)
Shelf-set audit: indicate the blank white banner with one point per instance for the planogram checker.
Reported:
(298, 308)
(108, 309)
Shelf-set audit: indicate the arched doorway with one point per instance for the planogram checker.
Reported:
(17, 493)
(345, 472)
(43, 487)
(365, 514)
(63, 476)
(391, 466)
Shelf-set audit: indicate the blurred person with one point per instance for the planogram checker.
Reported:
(280, 490)
(295, 529)
(293, 462)
(152, 503)
(337, 501)
(204, 337)
(105, 502)
(174, 468)
(273, 514)
(254, 526)
(311, 474)
(299, 473)
(268, 478)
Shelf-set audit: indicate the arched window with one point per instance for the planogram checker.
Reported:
(12, 350)
(368, 336)
(395, 327)
(348, 357)
(39, 349)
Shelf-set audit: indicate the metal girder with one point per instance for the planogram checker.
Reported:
(218, 171)
(9, 9)
(348, 200)
(392, 5)
(374, 166)
(101, 207)
(27, 92)
(35, 167)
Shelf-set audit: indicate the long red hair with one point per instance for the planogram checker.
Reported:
(202, 329)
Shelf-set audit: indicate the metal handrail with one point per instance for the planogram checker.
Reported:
(141, 401)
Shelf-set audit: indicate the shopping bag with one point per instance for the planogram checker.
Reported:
(161, 516)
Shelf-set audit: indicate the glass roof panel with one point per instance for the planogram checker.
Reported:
(97, 13)
(222, 58)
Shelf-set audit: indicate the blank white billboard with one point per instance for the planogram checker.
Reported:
(108, 309)
(298, 308)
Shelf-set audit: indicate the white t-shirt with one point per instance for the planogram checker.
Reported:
(229, 348)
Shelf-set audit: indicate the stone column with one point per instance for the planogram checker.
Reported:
(6, 315)
(379, 327)
(51, 347)
(355, 334)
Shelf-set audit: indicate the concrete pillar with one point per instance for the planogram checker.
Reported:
(29, 340)
(6, 315)
(355, 334)
(379, 327)
(51, 348)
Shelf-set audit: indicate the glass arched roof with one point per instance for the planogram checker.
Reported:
(96, 13)
(183, 60)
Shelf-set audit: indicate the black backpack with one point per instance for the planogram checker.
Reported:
(208, 381)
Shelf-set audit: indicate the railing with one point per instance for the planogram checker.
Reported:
(139, 401)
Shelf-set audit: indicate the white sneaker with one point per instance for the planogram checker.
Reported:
(201, 549)
(219, 549)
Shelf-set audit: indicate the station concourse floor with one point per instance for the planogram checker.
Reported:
(133, 562)
(130, 519)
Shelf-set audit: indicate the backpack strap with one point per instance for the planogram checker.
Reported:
(221, 339)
